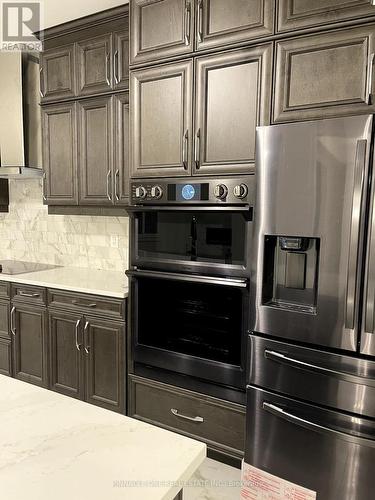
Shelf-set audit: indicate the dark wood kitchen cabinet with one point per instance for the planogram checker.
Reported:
(233, 95)
(325, 75)
(121, 60)
(121, 150)
(5, 357)
(5, 335)
(94, 65)
(161, 120)
(59, 126)
(57, 73)
(302, 14)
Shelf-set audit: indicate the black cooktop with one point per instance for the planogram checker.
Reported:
(21, 267)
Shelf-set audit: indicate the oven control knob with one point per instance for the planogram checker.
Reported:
(156, 192)
(140, 192)
(221, 191)
(240, 191)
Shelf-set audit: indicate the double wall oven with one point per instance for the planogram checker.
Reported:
(189, 280)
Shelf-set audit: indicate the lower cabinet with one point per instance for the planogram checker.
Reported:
(218, 423)
(29, 346)
(5, 357)
(87, 359)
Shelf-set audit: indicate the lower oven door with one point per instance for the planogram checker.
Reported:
(192, 325)
(329, 452)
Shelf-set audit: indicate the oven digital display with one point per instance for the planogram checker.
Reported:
(188, 192)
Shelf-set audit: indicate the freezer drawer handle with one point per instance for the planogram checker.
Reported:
(175, 412)
(351, 285)
(282, 358)
(279, 412)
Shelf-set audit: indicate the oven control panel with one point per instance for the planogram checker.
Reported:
(231, 191)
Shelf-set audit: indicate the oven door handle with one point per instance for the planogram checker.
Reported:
(191, 278)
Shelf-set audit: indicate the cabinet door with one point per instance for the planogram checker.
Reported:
(232, 99)
(57, 78)
(5, 357)
(160, 28)
(105, 373)
(121, 104)
(30, 344)
(66, 367)
(161, 116)
(4, 319)
(94, 58)
(300, 14)
(60, 154)
(324, 75)
(220, 22)
(95, 151)
(121, 60)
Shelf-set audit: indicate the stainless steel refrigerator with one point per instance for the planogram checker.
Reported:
(311, 392)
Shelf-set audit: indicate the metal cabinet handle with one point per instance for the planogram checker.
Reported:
(117, 184)
(351, 284)
(116, 68)
(80, 304)
(108, 185)
(26, 294)
(187, 22)
(200, 21)
(107, 69)
(185, 417)
(370, 70)
(85, 337)
(279, 412)
(78, 345)
(44, 186)
(185, 150)
(13, 321)
(197, 152)
(41, 88)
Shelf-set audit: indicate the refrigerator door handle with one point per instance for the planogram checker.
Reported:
(351, 284)
(307, 424)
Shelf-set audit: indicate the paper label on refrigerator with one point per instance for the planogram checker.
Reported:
(260, 485)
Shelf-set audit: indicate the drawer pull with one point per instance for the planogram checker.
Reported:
(79, 304)
(31, 295)
(12, 321)
(176, 413)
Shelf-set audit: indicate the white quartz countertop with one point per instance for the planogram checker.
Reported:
(55, 447)
(107, 283)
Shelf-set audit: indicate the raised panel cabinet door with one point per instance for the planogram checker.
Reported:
(5, 357)
(160, 29)
(121, 163)
(121, 60)
(161, 120)
(66, 358)
(301, 14)
(96, 151)
(232, 98)
(59, 125)
(324, 75)
(94, 65)
(105, 360)
(57, 73)
(29, 330)
(223, 22)
(4, 319)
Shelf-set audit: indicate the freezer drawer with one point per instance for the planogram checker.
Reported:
(332, 380)
(325, 451)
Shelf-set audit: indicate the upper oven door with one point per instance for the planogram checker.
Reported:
(192, 240)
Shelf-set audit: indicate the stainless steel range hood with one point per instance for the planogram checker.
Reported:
(20, 122)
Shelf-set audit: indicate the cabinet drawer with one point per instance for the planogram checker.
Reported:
(4, 289)
(219, 423)
(114, 308)
(27, 293)
(5, 357)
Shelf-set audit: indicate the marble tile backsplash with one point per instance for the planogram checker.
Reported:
(28, 233)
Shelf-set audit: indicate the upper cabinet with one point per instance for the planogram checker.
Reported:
(223, 22)
(301, 14)
(57, 73)
(168, 28)
(95, 65)
(121, 60)
(325, 75)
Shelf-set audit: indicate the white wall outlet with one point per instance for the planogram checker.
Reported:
(114, 241)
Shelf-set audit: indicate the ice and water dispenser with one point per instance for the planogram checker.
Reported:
(290, 278)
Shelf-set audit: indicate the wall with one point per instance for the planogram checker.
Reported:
(58, 12)
(28, 233)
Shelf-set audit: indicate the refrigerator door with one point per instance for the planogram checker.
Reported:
(328, 452)
(309, 227)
